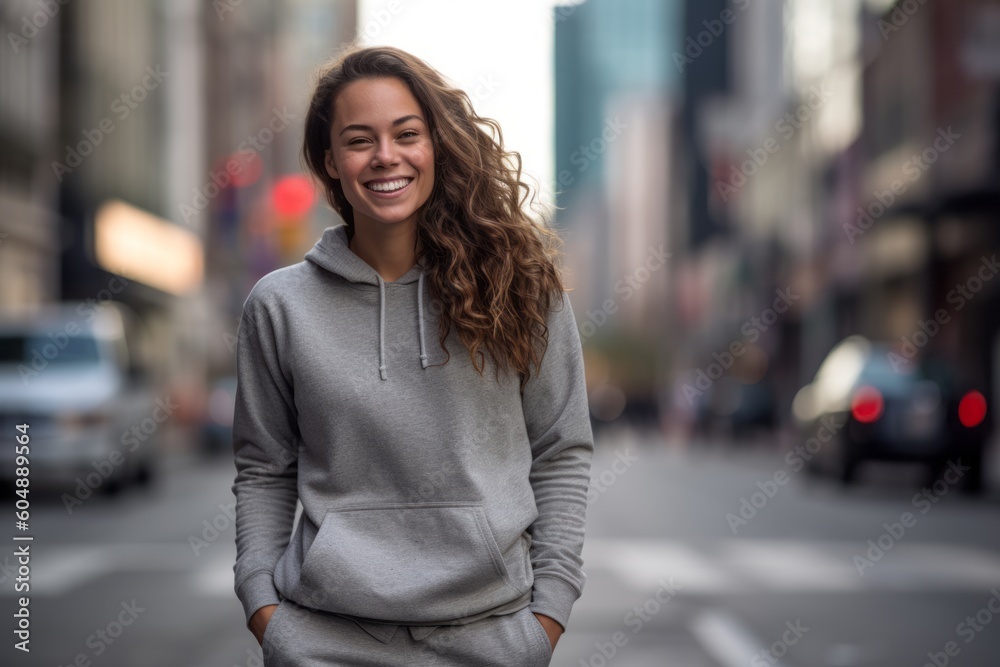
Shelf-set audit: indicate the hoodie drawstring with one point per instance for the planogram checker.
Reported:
(381, 324)
(381, 327)
(420, 319)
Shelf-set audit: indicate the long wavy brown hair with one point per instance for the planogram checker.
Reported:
(492, 268)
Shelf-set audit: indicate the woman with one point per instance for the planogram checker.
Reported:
(443, 488)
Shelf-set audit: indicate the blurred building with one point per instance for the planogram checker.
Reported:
(932, 118)
(29, 100)
(746, 212)
(130, 136)
(151, 156)
(615, 114)
(259, 66)
(846, 152)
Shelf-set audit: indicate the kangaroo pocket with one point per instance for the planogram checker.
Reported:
(406, 562)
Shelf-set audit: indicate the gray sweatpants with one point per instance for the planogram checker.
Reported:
(298, 636)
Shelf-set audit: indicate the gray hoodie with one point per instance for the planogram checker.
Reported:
(430, 495)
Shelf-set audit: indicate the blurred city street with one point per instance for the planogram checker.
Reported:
(781, 224)
(668, 578)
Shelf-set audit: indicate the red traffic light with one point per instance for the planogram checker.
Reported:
(293, 196)
(972, 409)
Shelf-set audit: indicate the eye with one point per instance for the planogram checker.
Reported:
(355, 141)
(409, 132)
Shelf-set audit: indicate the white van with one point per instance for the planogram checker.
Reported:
(70, 373)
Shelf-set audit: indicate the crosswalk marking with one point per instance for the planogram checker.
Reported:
(61, 569)
(724, 638)
(642, 564)
(55, 575)
(754, 566)
(790, 566)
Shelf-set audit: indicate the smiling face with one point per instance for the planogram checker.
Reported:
(381, 151)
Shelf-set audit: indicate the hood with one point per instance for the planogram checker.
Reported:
(331, 252)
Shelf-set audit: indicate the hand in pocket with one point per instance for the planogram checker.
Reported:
(552, 628)
(259, 621)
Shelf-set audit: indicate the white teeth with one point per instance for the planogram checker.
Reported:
(390, 186)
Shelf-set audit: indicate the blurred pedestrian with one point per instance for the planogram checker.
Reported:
(443, 487)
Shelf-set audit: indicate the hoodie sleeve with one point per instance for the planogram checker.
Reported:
(562, 444)
(265, 448)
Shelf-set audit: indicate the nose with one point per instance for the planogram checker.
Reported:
(385, 154)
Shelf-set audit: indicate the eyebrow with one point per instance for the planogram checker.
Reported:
(368, 128)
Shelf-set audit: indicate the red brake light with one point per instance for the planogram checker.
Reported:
(972, 409)
(867, 404)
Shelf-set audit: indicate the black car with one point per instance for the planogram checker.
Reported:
(870, 402)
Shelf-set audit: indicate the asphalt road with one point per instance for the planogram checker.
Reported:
(681, 571)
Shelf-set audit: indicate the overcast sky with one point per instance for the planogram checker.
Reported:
(499, 51)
